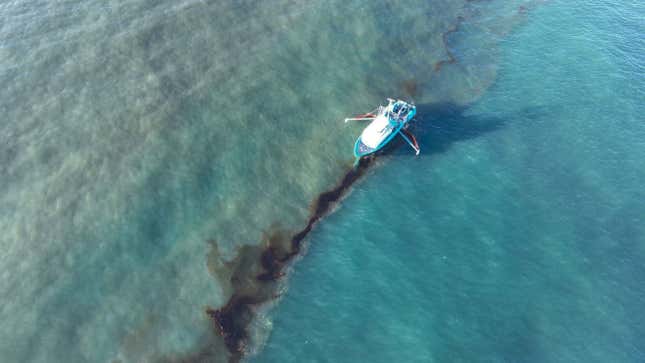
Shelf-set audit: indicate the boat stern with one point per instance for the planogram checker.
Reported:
(360, 149)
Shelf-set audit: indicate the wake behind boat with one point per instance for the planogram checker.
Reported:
(387, 122)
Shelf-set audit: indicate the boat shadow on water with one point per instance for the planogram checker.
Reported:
(438, 126)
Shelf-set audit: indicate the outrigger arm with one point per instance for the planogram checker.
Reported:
(412, 141)
(359, 119)
(366, 116)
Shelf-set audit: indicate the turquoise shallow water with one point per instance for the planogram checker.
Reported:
(144, 142)
(517, 235)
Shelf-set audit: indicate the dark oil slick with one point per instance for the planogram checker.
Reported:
(257, 284)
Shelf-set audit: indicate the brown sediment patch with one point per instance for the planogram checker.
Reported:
(410, 87)
(444, 40)
(254, 273)
(451, 59)
(252, 277)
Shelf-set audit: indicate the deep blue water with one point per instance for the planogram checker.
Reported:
(517, 235)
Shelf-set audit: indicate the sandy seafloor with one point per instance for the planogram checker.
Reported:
(143, 142)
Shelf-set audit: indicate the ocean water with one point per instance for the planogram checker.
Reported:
(143, 143)
(517, 235)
